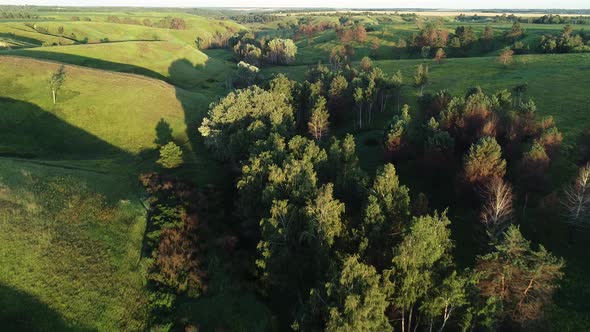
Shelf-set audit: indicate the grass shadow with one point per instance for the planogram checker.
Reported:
(16, 39)
(87, 62)
(27, 131)
(20, 311)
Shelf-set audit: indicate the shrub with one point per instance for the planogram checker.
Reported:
(170, 156)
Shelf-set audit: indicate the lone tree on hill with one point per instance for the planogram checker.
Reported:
(56, 81)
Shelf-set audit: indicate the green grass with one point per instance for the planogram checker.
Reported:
(152, 58)
(71, 223)
(70, 254)
(121, 110)
(99, 28)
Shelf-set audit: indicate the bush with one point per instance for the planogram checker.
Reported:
(170, 156)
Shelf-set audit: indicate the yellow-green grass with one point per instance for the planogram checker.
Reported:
(98, 115)
(99, 28)
(71, 223)
(149, 58)
(119, 109)
(70, 256)
(17, 35)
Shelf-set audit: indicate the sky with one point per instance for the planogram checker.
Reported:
(447, 4)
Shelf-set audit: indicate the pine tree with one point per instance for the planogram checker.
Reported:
(522, 278)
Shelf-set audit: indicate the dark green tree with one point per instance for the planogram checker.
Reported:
(234, 124)
(357, 299)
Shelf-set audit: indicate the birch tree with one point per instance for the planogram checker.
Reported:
(56, 81)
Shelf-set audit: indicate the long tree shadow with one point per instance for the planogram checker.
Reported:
(27, 131)
(20, 311)
(20, 39)
(87, 62)
(224, 307)
(195, 104)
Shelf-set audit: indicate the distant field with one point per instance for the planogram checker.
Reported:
(441, 12)
(99, 27)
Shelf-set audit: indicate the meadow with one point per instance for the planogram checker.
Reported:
(73, 215)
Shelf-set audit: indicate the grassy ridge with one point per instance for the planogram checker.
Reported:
(121, 110)
(99, 28)
(148, 58)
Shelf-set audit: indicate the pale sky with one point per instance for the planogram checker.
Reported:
(448, 4)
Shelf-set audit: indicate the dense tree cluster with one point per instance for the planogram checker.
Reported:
(310, 29)
(349, 254)
(567, 41)
(280, 51)
(254, 18)
(558, 19)
(356, 33)
(252, 51)
(430, 36)
(19, 15)
(435, 40)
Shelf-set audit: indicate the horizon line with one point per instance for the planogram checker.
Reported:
(442, 9)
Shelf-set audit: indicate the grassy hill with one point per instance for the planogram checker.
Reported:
(70, 217)
(121, 110)
(15, 34)
(152, 58)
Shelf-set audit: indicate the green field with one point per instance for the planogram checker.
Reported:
(70, 248)
(69, 194)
